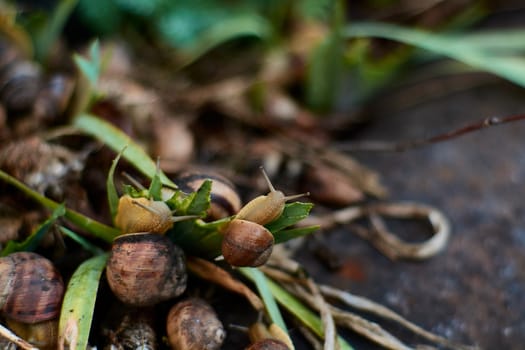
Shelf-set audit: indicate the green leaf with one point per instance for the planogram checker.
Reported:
(96, 228)
(155, 187)
(101, 16)
(91, 67)
(111, 190)
(301, 312)
(116, 139)
(286, 235)
(292, 214)
(201, 202)
(79, 303)
(197, 28)
(264, 291)
(31, 242)
(490, 58)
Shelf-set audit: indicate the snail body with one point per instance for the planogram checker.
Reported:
(145, 215)
(266, 208)
(144, 269)
(192, 324)
(31, 297)
(246, 242)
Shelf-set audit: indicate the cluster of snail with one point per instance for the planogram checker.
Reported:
(143, 256)
(145, 268)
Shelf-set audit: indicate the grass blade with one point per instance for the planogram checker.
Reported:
(79, 304)
(31, 242)
(510, 67)
(97, 229)
(116, 139)
(301, 312)
(264, 291)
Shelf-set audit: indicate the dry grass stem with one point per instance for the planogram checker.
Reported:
(13, 338)
(213, 273)
(381, 237)
(364, 304)
(326, 316)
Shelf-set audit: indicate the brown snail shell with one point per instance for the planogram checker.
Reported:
(193, 325)
(145, 269)
(31, 288)
(246, 243)
(225, 200)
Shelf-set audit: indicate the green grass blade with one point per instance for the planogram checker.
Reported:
(97, 229)
(301, 312)
(31, 242)
(264, 291)
(116, 139)
(79, 304)
(456, 47)
(93, 249)
(111, 190)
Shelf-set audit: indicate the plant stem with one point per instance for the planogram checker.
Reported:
(97, 229)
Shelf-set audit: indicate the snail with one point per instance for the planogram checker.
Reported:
(145, 215)
(268, 338)
(224, 201)
(246, 242)
(32, 293)
(192, 324)
(145, 268)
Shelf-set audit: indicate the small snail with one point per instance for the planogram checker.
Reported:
(192, 324)
(246, 242)
(266, 208)
(225, 200)
(32, 292)
(145, 215)
(145, 269)
(268, 338)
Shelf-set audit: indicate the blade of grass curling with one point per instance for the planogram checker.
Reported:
(31, 242)
(264, 291)
(510, 67)
(97, 229)
(116, 139)
(93, 249)
(79, 304)
(301, 312)
(111, 190)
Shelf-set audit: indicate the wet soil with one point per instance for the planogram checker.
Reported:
(473, 291)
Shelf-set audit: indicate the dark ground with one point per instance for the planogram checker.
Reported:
(473, 291)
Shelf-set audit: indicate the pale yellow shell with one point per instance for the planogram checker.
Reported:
(133, 217)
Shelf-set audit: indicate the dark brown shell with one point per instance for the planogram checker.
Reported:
(193, 325)
(246, 243)
(31, 286)
(225, 200)
(145, 269)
